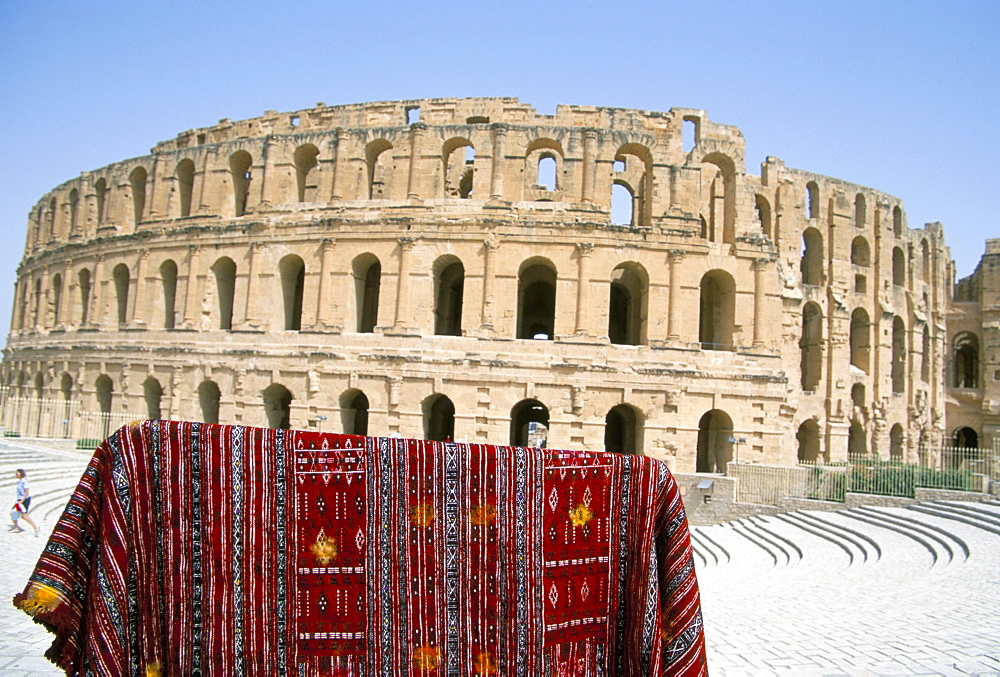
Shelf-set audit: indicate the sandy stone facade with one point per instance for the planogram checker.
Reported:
(469, 268)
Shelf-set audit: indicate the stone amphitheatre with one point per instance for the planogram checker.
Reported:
(600, 278)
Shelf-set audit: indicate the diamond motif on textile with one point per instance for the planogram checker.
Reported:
(320, 504)
(553, 595)
(587, 497)
(584, 591)
(360, 539)
(326, 478)
(554, 498)
(322, 603)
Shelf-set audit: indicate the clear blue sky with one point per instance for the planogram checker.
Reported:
(899, 96)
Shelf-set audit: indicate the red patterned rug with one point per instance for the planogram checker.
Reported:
(191, 548)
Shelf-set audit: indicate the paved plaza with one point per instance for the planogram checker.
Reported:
(866, 592)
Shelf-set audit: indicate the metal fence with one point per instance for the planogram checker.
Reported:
(958, 469)
(55, 418)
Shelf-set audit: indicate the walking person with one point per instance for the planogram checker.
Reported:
(23, 503)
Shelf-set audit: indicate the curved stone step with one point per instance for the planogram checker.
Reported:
(938, 511)
(710, 543)
(970, 510)
(740, 529)
(908, 530)
(763, 525)
(853, 533)
(794, 519)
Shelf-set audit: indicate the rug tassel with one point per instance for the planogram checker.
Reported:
(40, 599)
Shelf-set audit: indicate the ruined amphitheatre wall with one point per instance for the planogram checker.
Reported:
(376, 267)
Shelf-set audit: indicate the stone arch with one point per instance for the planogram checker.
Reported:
(66, 386)
(459, 167)
(623, 430)
(367, 284)
(808, 438)
(897, 438)
(55, 300)
(74, 209)
(717, 317)
(811, 263)
(137, 182)
(536, 299)
(965, 360)
(541, 152)
(240, 163)
(209, 396)
(898, 355)
(965, 437)
(84, 285)
(860, 339)
(860, 252)
(168, 277)
(184, 173)
(857, 444)
(627, 306)
(225, 284)
(354, 412)
(763, 209)
(636, 176)
(858, 396)
(925, 353)
(925, 261)
(277, 406)
(306, 159)
(714, 448)
(449, 285)
(292, 270)
(898, 267)
(529, 424)
(152, 394)
(120, 275)
(100, 196)
(897, 221)
(439, 418)
(860, 211)
(727, 171)
(104, 393)
(811, 347)
(380, 165)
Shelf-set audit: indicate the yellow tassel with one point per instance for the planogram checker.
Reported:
(41, 599)
(153, 669)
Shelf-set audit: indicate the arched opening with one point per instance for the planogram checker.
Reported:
(239, 166)
(74, 209)
(812, 200)
(38, 302)
(898, 267)
(306, 158)
(622, 204)
(966, 438)
(168, 275)
(965, 351)
(83, 283)
(121, 278)
(860, 252)
(137, 181)
(811, 347)
(623, 430)
(896, 441)
(529, 424)
(208, 398)
(627, 305)
(897, 221)
(380, 164)
(925, 354)
(811, 263)
(763, 208)
(103, 391)
(66, 386)
(225, 285)
(857, 445)
(152, 393)
(860, 339)
(39, 385)
(543, 163)
(100, 196)
(278, 406)
(354, 412)
(459, 157)
(56, 299)
(690, 132)
(449, 283)
(717, 316)
(545, 175)
(898, 356)
(714, 448)
(367, 282)
(860, 211)
(293, 275)
(858, 396)
(536, 301)
(185, 185)
(808, 438)
(721, 207)
(439, 418)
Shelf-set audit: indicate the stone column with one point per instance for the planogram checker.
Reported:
(759, 268)
(589, 164)
(496, 175)
(489, 276)
(15, 316)
(63, 309)
(325, 291)
(584, 250)
(268, 179)
(674, 181)
(154, 180)
(94, 316)
(204, 189)
(252, 321)
(674, 312)
(413, 177)
(403, 283)
(335, 170)
(140, 288)
(38, 297)
(191, 294)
